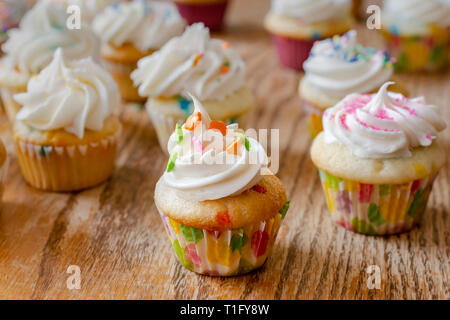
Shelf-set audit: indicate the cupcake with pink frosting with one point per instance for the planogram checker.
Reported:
(378, 157)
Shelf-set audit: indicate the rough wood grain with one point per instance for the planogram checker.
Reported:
(114, 233)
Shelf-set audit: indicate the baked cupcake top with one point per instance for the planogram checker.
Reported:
(74, 96)
(339, 66)
(193, 62)
(415, 16)
(31, 46)
(312, 11)
(147, 25)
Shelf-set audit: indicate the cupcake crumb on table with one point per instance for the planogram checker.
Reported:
(378, 158)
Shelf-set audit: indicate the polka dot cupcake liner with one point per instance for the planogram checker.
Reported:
(223, 253)
(376, 209)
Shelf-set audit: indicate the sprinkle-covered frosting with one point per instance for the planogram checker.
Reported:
(193, 62)
(415, 16)
(383, 125)
(72, 96)
(312, 11)
(147, 25)
(42, 30)
(339, 66)
(210, 160)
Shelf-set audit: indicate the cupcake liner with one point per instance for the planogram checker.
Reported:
(67, 168)
(376, 209)
(9, 104)
(419, 53)
(314, 118)
(121, 73)
(165, 125)
(292, 52)
(211, 14)
(222, 253)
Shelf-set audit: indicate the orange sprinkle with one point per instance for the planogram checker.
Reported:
(235, 146)
(224, 69)
(197, 59)
(219, 125)
(226, 45)
(192, 121)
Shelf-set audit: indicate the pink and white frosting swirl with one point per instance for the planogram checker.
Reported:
(208, 163)
(382, 125)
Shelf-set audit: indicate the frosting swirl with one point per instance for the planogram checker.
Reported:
(312, 11)
(209, 160)
(147, 25)
(383, 125)
(193, 62)
(414, 16)
(42, 30)
(339, 66)
(72, 96)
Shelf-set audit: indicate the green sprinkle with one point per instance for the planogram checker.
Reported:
(285, 209)
(172, 159)
(246, 141)
(226, 63)
(139, 106)
(45, 151)
(179, 132)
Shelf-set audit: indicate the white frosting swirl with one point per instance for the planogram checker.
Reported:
(312, 11)
(414, 16)
(147, 25)
(193, 62)
(42, 30)
(204, 168)
(340, 66)
(75, 96)
(383, 125)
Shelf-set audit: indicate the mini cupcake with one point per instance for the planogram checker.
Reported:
(219, 203)
(66, 132)
(3, 168)
(194, 63)
(131, 31)
(378, 160)
(296, 24)
(337, 67)
(417, 33)
(30, 48)
(210, 12)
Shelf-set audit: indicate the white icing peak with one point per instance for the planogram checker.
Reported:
(73, 96)
(383, 125)
(312, 11)
(147, 25)
(339, 66)
(209, 160)
(193, 62)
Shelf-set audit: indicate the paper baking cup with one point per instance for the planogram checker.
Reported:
(314, 118)
(10, 105)
(376, 209)
(211, 14)
(121, 73)
(292, 52)
(67, 168)
(165, 125)
(222, 253)
(419, 53)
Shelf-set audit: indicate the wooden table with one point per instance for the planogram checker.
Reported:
(114, 234)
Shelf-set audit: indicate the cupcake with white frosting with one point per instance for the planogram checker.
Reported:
(208, 68)
(296, 24)
(130, 31)
(219, 203)
(337, 67)
(378, 158)
(66, 131)
(31, 46)
(417, 33)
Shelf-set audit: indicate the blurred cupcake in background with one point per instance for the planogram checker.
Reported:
(30, 48)
(11, 11)
(417, 33)
(130, 31)
(221, 207)
(378, 158)
(337, 67)
(296, 24)
(3, 168)
(66, 132)
(357, 8)
(210, 12)
(208, 68)
(88, 8)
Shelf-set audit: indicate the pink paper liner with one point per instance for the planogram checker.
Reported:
(292, 52)
(212, 15)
